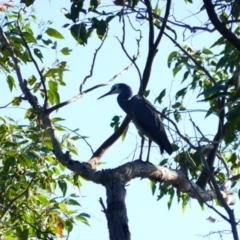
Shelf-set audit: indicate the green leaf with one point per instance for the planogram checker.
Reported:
(229, 132)
(36, 87)
(72, 202)
(115, 122)
(177, 115)
(207, 51)
(146, 93)
(163, 162)
(52, 86)
(160, 96)
(82, 217)
(181, 93)
(66, 51)
(157, 10)
(215, 96)
(27, 2)
(124, 134)
(93, 4)
(29, 37)
(79, 32)
(101, 29)
(47, 42)
(43, 199)
(176, 70)
(153, 186)
(76, 8)
(57, 119)
(233, 113)
(16, 101)
(176, 105)
(171, 192)
(171, 57)
(63, 186)
(38, 53)
(11, 82)
(175, 147)
(134, 3)
(22, 234)
(185, 75)
(202, 204)
(54, 33)
(63, 207)
(32, 80)
(214, 89)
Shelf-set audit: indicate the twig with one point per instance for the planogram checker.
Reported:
(224, 162)
(80, 95)
(79, 136)
(93, 63)
(176, 128)
(164, 23)
(134, 58)
(11, 101)
(103, 206)
(198, 129)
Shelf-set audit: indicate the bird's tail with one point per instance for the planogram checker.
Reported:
(166, 146)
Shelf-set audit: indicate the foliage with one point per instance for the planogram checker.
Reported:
(34, 186)
(32, 176)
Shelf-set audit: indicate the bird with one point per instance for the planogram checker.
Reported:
(142, 113)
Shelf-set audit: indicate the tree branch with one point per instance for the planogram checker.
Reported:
(93, 63)
(34, 62)
(151, 24)
(219, 25)
(80, 95)
(193, 59)
(164, 23)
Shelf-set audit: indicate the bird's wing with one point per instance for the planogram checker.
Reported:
(149, 122)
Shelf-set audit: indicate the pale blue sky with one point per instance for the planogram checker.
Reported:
(148, 218)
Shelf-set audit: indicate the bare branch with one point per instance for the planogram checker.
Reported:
(108, 143)
(176, 128)
(158, 173)
(103, 206)
(93, 63)
(151, 24)
(164, 24)
(80, 95)
(134, 58)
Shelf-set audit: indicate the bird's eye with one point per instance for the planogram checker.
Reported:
(114, 88)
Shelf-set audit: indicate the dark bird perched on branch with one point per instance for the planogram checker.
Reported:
(142, 113)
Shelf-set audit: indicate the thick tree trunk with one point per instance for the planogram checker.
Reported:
(116, 211)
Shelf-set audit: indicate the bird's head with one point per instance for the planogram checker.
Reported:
(116, 88)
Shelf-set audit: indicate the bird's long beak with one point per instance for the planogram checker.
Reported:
(109, 93)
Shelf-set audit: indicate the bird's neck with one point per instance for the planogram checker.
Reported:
(124, 103)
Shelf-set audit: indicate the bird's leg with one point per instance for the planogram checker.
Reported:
(142, 143)
(149, 147)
